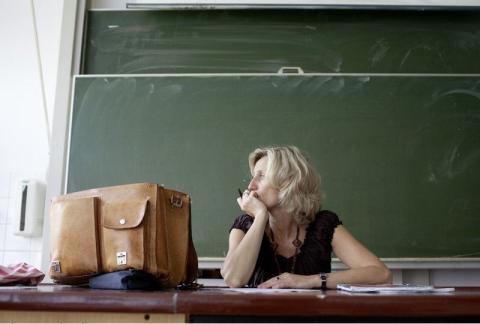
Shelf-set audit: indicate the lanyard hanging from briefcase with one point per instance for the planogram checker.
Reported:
(136, 226)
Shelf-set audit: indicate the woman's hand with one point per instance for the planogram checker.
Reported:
(251, 205)
(290, 280)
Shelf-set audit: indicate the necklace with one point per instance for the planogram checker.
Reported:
(296, 243)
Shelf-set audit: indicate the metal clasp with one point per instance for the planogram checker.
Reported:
(121, 257)
(176, 201)
(55, 266)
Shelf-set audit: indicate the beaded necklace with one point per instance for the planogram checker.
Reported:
(296, 243)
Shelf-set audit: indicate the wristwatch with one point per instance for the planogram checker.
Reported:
(323, 277)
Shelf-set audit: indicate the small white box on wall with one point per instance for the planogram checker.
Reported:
(29, 207)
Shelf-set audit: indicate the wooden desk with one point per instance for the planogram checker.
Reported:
(49, 303)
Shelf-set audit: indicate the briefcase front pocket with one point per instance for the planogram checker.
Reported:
(74, 239)
(123, 234)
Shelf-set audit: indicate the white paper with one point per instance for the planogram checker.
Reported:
(268, 290)
(391, 288)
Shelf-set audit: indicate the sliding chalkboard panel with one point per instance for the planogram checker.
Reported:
(266, 40)
(399, 155)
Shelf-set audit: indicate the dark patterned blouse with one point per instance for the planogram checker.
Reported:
(314, 256)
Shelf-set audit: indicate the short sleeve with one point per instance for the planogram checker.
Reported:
(325, 223)
(242, 222)
(330, 219)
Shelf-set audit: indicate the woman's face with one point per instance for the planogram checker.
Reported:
(265, 192)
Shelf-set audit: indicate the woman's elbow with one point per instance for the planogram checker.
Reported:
(231, 282)
(386, 276)
(234, 283)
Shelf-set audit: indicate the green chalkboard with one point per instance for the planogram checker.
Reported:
(399, 155)
(242, 41)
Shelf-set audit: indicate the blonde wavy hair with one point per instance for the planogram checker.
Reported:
(290, 172)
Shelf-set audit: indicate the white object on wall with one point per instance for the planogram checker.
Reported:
(29, 207)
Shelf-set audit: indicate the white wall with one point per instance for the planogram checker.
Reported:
(24, 151)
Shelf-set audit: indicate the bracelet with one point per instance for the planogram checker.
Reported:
(323, 277)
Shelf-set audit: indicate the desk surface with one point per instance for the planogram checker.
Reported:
(463, 302)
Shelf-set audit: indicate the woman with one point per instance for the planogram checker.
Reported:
(284, 239)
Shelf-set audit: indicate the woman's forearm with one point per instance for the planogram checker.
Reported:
(240, 263)
(364, 275)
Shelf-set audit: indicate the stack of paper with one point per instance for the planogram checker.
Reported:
(391, 288)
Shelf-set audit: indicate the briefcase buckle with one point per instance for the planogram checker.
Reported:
(176, 201)
(55, 266)
(121, 258)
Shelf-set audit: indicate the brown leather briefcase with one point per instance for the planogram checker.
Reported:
(137, 226)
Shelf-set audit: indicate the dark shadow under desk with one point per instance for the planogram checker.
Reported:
(50, 303)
